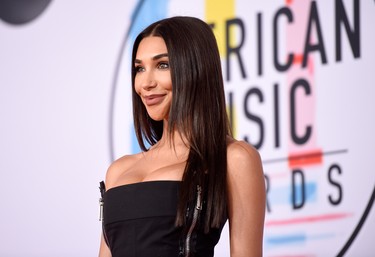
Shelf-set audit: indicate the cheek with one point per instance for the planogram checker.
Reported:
(167, 82)
(137, 86)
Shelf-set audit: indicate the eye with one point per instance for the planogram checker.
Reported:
(163, 65)
(139, 69)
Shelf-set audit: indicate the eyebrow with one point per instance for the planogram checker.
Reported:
(156, 57)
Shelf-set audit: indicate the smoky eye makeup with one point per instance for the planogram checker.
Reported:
(163, 65)
(138, 68)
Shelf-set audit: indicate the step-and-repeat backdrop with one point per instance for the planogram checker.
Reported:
(299, 83)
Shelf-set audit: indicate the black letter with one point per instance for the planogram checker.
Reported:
(260, 44)
(236, 49)
(353, 35)
(230, 103)
(267, 180)
(320, 45)
(296, 205)
(252, 117)
(280, 67)
(296, 139)
(339, 198)
(276, 115)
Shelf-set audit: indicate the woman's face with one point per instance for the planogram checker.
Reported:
(153, 81)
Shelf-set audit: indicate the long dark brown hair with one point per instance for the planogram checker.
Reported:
(198, 112)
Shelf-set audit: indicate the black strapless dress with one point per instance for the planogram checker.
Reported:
(139, 221)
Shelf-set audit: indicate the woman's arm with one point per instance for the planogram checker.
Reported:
(104, 250)
(246, 200)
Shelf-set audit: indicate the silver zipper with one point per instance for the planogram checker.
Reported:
(101, 199)
(101, 203)
(198, 207)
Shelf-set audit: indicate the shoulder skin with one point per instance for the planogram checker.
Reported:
(118, 167)
(246, 199)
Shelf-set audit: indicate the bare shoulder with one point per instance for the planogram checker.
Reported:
(118, 167)
(246, 199)
(243, 156)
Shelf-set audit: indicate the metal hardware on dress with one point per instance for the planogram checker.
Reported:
(101, 214)
(101, 200)
(101, 203)
(198, 208)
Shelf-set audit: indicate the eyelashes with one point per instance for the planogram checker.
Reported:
(138, 69)
(160, 65)
(163, 65)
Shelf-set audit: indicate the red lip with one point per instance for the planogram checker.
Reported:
(154, 99)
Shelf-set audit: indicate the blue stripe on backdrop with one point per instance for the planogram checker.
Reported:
(283, 195)
(293, 239)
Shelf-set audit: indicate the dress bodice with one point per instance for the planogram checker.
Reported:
(139, 221)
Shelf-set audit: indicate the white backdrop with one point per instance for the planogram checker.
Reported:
(64, 88)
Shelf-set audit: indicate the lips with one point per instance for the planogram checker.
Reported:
(154, 99)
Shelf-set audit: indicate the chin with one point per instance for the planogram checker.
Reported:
(156, 117)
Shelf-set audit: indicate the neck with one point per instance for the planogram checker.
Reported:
(173, 140)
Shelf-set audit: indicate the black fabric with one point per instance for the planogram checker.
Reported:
(139, 222)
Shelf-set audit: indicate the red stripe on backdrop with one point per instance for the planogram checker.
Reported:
(305, 158)
(308, 219)
(309, 255)
(298, 58)
(288, 2)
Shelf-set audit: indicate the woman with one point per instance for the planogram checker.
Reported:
(174, 198)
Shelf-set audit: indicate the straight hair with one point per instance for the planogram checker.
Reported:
(198, 112)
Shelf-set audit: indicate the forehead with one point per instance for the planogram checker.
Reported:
(151, 46)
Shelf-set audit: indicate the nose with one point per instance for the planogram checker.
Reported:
(148, 81)
(149, 85)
